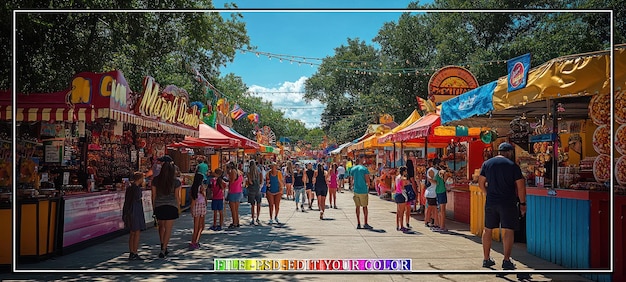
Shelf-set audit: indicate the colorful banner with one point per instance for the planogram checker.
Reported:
(237, 112)
(475, 102)
(517, 69)
(400, 265)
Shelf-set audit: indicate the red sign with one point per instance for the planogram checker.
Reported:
(101, 90)
(517, 74)
(451, 80)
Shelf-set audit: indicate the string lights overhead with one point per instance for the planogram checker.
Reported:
(401, 67)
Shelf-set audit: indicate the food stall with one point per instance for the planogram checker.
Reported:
(88, 142)
(566, 157)
(6, 173)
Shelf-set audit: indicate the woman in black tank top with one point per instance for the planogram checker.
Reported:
(321, 188)
(309, 184)
(298, 186)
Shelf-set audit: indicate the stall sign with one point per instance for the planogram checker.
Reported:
(53, 150)
(451, 81)
(101, 90)
(209, 151)
(170, 104)
(518, 72)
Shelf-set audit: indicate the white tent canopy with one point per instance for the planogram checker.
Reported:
(341, 147)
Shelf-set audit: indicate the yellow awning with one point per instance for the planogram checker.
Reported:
(576, 75)
(385, 139)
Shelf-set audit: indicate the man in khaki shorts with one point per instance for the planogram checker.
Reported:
(360, 174)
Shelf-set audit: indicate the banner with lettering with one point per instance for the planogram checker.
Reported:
(517, 69)
(478, 101)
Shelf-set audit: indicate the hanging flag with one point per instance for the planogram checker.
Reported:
(518, 72)
(237, 112)
(425, 105)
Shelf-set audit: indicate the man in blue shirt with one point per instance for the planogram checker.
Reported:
(360, 174)
(501, 179)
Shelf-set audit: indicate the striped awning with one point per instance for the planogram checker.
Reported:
(145, 122)
(6, 112)
(55, 114)
(90, 115)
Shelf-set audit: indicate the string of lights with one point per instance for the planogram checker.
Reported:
(365, 67)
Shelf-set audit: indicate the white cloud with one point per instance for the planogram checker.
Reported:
(289, 98)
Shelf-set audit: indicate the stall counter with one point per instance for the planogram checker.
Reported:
(569, 227)
(93, 215)
(6, 235)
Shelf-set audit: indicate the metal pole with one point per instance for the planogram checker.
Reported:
(555, 147)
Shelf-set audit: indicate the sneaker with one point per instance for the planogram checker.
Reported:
(302, 207)
(258, 221)
(133, 256)
(367, 226)
(408, 226)
(252, 222)
(219, 228)
(488, 263)
(161, 254)
(276, 220)
(358, 226)
(214, 228)
(297, 208)
(507, 265)
(270, 222)
(404, 229)
(335, 206)
(232, 226)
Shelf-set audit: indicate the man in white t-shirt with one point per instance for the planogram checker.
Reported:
(341, 174)
(431, 194)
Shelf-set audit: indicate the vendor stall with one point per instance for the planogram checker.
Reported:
(88, 142)
(565, 155)
(6, 181)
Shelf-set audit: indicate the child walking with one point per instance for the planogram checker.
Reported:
(198, 210)
(132, 214)
(217, 203)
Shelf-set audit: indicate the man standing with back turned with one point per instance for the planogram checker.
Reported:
(360, 174)
(501, 179)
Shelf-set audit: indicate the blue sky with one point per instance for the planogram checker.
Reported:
(300, 33)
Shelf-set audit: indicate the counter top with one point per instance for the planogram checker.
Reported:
(568, 193)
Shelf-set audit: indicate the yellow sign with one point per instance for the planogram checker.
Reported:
(168, 108)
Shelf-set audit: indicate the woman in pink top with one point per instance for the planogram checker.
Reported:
(235, 193)
(400, 199)
(332, 186)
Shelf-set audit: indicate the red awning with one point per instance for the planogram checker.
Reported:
(419, 129)
(245, 142)
(210, 134)
(193, 142)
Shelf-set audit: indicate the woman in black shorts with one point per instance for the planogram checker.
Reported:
(166, 200)
(309, 184)
(321, 188)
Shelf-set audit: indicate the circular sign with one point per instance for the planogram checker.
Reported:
(451, 80)
(517, 74)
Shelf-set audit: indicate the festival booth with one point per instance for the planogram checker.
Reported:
(6, 173)
(461, 152)
(88, 141)
(560, 123)
(247, 146)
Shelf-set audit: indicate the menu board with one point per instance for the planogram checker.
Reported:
(52, 153)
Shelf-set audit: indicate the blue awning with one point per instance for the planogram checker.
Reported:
(478, 101)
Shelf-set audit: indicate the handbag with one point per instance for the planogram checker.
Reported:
(410, 194)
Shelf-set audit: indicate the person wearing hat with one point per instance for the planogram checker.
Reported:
(502, 181)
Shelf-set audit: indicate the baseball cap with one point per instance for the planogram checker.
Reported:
(165, 159)
(504, 146)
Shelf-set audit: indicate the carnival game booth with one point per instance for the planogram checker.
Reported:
(561, 124)
(460, 150)
(6, 181)
(91, 138)
(209, 144)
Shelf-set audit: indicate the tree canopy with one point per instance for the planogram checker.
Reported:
(358, 86)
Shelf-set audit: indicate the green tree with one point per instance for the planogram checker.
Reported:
(52, 47)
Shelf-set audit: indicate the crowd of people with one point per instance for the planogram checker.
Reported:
(311, 183)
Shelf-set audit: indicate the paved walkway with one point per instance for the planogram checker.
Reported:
(303, 236)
